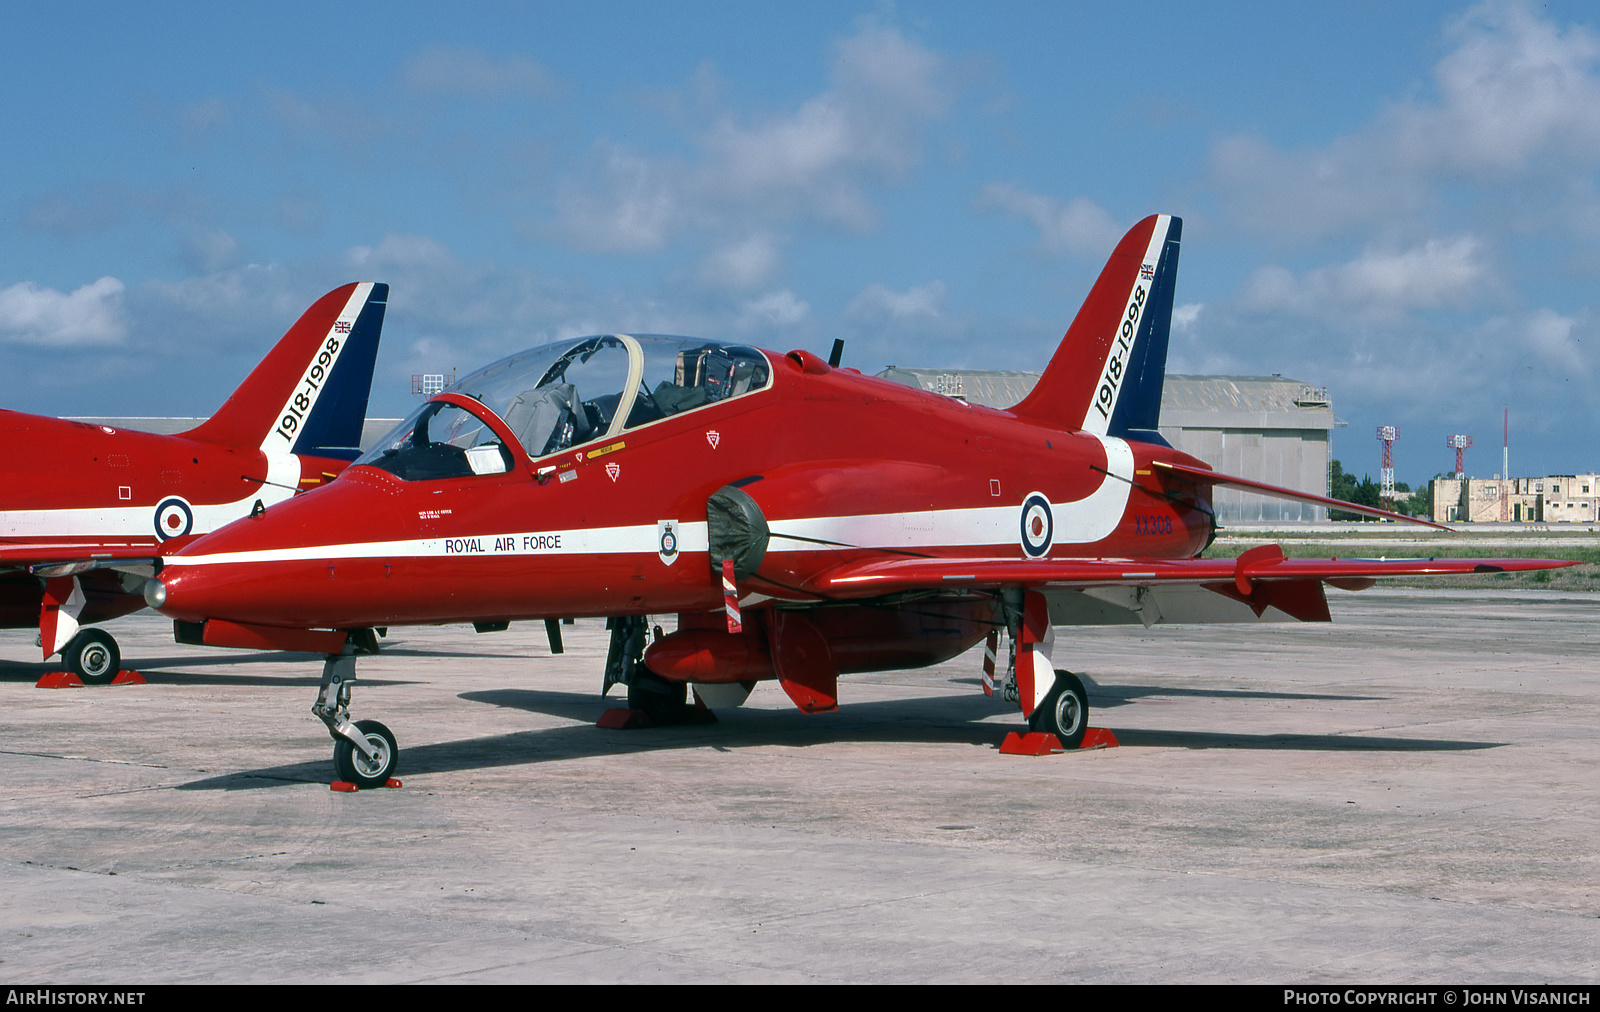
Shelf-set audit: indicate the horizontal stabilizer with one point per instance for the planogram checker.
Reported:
(1203, 476)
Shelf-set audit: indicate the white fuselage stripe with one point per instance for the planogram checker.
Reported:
(1083, 522)
(140, 521)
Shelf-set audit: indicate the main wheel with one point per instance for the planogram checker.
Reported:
(93, 656)
(356, 768)
(663, 700)
(1064, 711)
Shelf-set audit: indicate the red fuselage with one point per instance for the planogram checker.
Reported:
(843, 466)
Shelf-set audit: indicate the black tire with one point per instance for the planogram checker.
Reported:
(93, 656)
(1064, 711)
(662, 700)
(353, 767)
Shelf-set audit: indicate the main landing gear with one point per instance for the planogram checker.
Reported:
(364, 751)
(93, 656)
(1064, 711)
(662, 700)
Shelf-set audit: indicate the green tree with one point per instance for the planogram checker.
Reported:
(1343, 485)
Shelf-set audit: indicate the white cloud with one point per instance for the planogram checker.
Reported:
(816, 162)
(1377, 285)
(919, 301)
(746, 263)
(775, 309)
(636, 213)
(1515, 103)
(1516, 88)
(469, 71)
(400, 252)
(205, 115)
(1185, 316)
(1551, 336)
(88, 316)
(210, 250)
(1078, 226)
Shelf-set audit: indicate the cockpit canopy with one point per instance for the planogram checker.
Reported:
(559, 395)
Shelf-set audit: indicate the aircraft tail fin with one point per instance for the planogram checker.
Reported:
(309, 395)
(1107, 375)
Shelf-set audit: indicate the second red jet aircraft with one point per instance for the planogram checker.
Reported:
(85, 510)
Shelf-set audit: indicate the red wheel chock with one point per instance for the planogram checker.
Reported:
(620, 719)
(68, 680)
(346, 787)
(1040, 743)
(1031, 743)
(1098, 737)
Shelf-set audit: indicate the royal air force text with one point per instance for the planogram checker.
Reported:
(508, 543)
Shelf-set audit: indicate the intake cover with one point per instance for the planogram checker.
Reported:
(736, 530)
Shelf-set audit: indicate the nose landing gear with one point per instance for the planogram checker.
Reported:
(364, 752)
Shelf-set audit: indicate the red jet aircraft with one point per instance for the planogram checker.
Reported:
(803, 520)
(86, 509)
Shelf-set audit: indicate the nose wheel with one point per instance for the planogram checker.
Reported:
(367, 770)
(364, 751)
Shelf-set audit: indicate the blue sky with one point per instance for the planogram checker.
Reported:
(1397, 201)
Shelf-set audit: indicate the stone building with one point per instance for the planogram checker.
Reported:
(1553, 499)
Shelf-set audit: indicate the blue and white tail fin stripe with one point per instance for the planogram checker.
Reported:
(1106, 376)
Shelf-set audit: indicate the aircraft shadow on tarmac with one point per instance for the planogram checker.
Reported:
(1102, 697)
(947, 720)
(154, 670)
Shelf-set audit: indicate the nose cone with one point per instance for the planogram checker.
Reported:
(278, 568)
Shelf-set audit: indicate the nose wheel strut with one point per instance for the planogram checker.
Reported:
(364, 751)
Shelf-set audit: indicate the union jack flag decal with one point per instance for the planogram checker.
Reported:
(342, 327)
(1147, 271)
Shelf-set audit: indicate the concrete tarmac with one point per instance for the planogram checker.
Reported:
(1408, 795)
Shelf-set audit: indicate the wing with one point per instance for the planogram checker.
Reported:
(1261, 578)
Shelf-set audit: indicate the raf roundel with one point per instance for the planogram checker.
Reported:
(1038, 525)
(174, 518)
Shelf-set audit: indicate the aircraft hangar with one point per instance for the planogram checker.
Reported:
(1268, 428)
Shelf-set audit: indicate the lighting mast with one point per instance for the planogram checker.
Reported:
(1387, 434)
(1460, 444)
